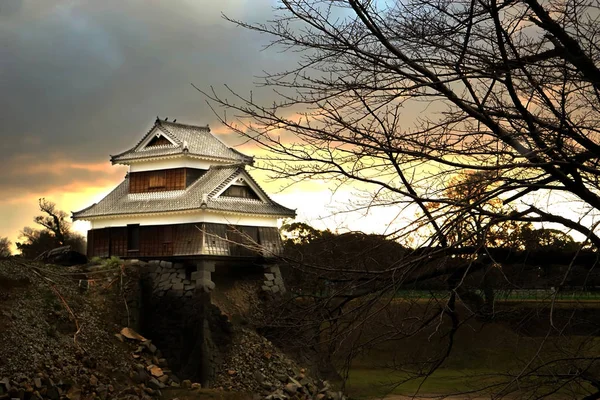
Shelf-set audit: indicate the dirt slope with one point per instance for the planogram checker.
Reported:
(57, 337)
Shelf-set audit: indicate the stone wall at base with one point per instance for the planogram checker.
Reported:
(180, 279)
(170, 278)
(174, 309)
(273, 283)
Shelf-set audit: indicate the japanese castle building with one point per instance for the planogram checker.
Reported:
(186, 195)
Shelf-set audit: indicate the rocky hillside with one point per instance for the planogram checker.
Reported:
(64, 335)
(59, 338)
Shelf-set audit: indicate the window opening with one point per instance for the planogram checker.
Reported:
(244, 192)
(133, 237)
(159, 141)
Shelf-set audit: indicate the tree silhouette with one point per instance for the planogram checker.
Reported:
(56, 232)
(5, 247)
(397, 98)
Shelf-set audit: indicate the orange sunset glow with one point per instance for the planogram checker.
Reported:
(84, 85)
(313, 200)
(87, 79)
(84, 80)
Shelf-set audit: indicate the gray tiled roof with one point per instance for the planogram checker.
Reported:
(199, 140)
(121, 202)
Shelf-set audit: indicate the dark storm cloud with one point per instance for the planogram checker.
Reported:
(10, 7)
(84, 79)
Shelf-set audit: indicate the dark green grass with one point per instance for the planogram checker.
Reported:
(511, 295)
(485, 357)
(365, 383)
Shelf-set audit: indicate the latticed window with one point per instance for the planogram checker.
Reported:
(270, 240)
(215, 239)
(157, 180)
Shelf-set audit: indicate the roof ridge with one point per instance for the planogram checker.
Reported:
(168, 132)
(260, 187)
(241, 199)
(226, 182)
(207, 128)
(119, 203)
(202, 178)
(233, 165)
(155, 125)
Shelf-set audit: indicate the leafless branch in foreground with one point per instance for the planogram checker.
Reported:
(477, 117)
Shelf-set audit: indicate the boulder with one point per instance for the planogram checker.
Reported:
(132, 335)
(155, 384)
(155, 371)
(64, 256)
(292, 388)
(140, 376)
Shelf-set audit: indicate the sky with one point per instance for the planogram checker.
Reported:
(80, 80)
(83, 79)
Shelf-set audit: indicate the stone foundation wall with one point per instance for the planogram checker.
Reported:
(178, 279)
(273, 283)
(179, 317)
(167, 278)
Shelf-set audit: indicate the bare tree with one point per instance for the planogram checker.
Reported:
(56, 232)
(5, 247)
(400, 97)
(505, 94)
(54, 220)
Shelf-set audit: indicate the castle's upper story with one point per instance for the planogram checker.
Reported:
(179, 143)
(181, 169)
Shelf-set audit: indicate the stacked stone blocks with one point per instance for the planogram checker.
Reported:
(171, 279)
(273, 282)
(203, 276)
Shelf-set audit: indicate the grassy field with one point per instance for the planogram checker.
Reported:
(482, 355)
(364, 383)
(512, 295)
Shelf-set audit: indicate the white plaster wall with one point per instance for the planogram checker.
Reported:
(186, 218)
(178, 162)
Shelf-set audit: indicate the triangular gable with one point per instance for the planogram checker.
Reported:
(240, 189)
(159, 140)
(242, 179)
(213, 182)
(185, 140)
(154, 137)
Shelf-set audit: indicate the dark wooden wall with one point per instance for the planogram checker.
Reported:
(159, 141)
(183, 240)
(163, 180)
